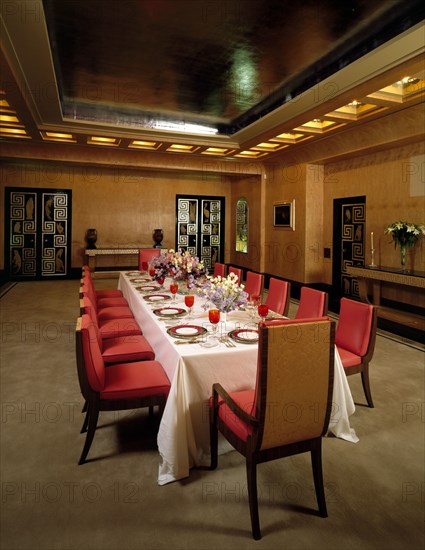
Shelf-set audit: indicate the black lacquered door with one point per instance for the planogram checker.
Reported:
(348, 243)
(37, 233)
(200, 227)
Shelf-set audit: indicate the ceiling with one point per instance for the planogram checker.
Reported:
(243, 79)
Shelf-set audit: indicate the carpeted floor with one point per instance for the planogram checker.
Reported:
(375, 488)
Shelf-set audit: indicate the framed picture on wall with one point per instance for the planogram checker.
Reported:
(284, 214)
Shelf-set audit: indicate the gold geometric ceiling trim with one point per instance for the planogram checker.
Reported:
(10, 125)
(401, 91)
(60, 137)
(145, 145)
(217, 151)
(182, 148)
(356, 110)
(318, 126)
(290, 138)
(103, 141)
(251, 154)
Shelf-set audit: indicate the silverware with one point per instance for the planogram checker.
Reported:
(191, 341)
(227, 342)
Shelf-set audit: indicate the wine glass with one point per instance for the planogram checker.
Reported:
(263, 311)
(173, 289)
(189, 300)
(160, 281)
(152, 272)
(145, 266)
(214, 318)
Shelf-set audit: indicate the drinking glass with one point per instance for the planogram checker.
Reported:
(152, 272)
(214, 318)
(263, 310)
(189, 300)
(160, 281)
(173, 289)
(145, 266)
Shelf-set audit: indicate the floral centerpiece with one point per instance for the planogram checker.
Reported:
(179, 265)
(224, 292)
(405, 234)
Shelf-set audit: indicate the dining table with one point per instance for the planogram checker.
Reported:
(193, 365)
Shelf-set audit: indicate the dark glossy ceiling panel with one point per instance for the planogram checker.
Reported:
(220, 63)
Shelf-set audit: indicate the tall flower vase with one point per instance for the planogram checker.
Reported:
(403, 256)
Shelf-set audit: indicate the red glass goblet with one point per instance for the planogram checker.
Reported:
(214, 318)
(173, 289)
(189, 300)
(263, 310)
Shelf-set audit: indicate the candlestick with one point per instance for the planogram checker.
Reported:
(372, 263)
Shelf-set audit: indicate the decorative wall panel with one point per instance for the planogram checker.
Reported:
(349, 242)
(38, 232)
(200, 227)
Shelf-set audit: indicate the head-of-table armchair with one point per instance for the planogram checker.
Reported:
(355, 339)
(146, 255)
(288, 412)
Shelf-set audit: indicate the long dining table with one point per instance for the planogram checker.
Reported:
(183, 436)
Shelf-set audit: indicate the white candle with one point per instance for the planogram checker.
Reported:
(371, 240)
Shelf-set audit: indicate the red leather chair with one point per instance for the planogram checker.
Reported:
(110, 328)
(244, 418)
(119, 387)
(102, 300)
(219, 270)
(237, 272)
(104, 293)
(355, 339)
(146, 255)
(106, 313)
(253, 284)
(313, 303)
(278, 296)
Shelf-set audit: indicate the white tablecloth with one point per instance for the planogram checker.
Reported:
(183, 437)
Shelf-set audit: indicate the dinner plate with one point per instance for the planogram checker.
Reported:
(133, 273)
(147, 288)
(156, 298)
(186, 331)
(244, 335)
(141, 280)
(170, 312)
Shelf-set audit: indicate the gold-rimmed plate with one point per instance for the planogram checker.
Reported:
(170, 312)
(141, 280)
(186, 331)
(244, 335)
(147, 288)
(157, 297)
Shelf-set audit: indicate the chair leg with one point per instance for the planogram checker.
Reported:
(93, 414)
(251, 474)
(213, 440)
(85, 423)
(316, 463)
(84, 409)
(366, 386)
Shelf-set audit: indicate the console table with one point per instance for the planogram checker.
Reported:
(367, 276)
(93, 253)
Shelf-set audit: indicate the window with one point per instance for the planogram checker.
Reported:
(242, 226)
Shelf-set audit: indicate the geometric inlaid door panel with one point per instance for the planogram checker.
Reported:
(37, 232)
(200, 227)
(349, 243)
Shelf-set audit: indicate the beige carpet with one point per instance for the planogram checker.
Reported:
(375, 489)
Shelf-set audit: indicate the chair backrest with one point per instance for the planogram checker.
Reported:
(313, 303)
(356, 330)
(146, 255)
(253, 283)
(87, 290)
(219, 270)
(293, 394)
(278, 296)
(237, 272)
(87, 307)
(92, 355)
